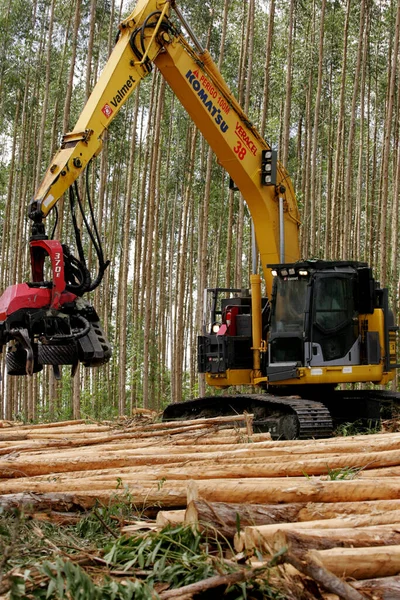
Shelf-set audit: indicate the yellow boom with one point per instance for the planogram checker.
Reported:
(148, 37)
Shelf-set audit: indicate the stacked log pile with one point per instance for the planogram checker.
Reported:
(329, 508)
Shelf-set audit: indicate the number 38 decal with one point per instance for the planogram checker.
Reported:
(240, 150)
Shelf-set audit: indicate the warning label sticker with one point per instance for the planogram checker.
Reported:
(107, 110)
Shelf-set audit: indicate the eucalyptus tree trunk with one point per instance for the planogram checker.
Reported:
(299, 175)
(359, 248)
(335, 221)
(5, 275)
(149, 262)
(288, 87)
(308, 232)
(229, 239)
(52, 391)
(394, 240)
(268, 53)
(372, 212)
(92, 24)
(45, 102)
(138, 284)
(125, 259)
(161, 285)
(6, 386)
(314, 151)
(155, 362)
(181, 324)
(67, 103)
(172, 287)
(329, 170)
(347, 200)
(383, 238)
(54, 130)
(241, 97)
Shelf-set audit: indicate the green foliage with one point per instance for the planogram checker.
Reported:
(357, 428)
(344, 473)
(66, 579)
(50, 563)
(175, 555)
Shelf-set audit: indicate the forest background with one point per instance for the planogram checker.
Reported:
(320, 80)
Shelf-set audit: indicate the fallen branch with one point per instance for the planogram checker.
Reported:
(314, 569)
(216, 581)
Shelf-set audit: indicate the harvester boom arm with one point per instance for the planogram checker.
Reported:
(148, 37)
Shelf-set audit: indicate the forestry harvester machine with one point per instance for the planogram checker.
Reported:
(319, 323)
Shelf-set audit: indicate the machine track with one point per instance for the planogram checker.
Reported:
(284, 417)
(362, 406)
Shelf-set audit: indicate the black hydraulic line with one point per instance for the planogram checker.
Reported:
(58, 337)
(72, 199)
(96, 239)
(82, 332)
(76, 270)
(90, 232)
(87, 284)
(77, 276)
(165, 25)
(145, 25)
(133, 46)
(100, 247)
(55, 224)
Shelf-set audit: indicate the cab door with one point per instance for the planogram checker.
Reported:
(334, 318)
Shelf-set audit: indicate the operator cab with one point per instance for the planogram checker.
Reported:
(315, 308)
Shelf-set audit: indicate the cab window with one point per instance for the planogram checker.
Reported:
(333, 303)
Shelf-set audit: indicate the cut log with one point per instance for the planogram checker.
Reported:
(143, 498)
(204, 421)
(31, 503)
(57, 424)
(21, 442)
(249, 423)
(382, 472)
(387, 588)
(171, 494)
(329, 510)
(262, 490)
(222, 438)
(324, 539)
(229, 462)
(144, 429)
(216, 490)
(360, 563)
(61, 518)
(262, 536)
(138, 528)
(170, 517)
(226, 517)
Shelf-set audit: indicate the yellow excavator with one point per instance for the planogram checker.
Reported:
(318, 324)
